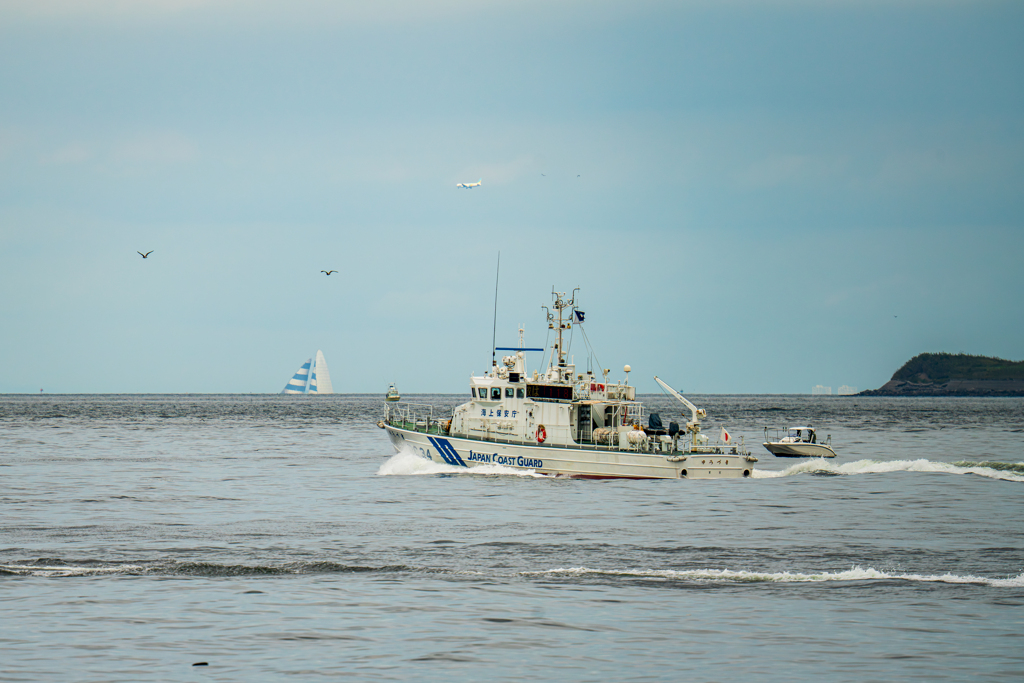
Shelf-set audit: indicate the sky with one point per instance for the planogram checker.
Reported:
(752, 196)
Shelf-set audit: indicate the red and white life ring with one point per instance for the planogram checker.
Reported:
(542, 434)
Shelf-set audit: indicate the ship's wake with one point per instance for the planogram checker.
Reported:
(992, 470)
(406, 462)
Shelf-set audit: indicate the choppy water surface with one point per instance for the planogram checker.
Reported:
(273, 536)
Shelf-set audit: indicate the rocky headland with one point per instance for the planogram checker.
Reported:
(961, 374)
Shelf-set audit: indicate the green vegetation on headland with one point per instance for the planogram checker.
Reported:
(960, 374)
(942, 367)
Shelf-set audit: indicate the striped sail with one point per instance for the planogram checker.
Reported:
(299, 383)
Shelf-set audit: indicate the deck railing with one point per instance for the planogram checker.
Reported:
(415, 417)
(419, 417)
(779, 435)
(679, 447)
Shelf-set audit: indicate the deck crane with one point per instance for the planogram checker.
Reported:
(695, 413)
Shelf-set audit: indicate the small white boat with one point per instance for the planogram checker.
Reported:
(563, 422)
(799, 442)
(392, 395)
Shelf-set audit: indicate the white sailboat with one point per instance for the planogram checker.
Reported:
(312, 378)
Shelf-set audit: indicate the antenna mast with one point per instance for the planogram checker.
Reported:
(494, 329)
(559, 305)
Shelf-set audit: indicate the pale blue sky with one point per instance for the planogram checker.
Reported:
(762, 187)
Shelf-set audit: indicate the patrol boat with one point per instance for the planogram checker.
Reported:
(558, 422)
(800, 442)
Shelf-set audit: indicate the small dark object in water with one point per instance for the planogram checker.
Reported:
(201, 664)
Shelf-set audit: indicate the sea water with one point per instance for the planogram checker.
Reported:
(281, 536)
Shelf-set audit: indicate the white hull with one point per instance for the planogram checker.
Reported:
(591, 463)
(799, 450)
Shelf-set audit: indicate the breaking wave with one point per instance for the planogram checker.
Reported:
(1017, 467)
(202, 569)
(992, 470)
(58, 568)
(67, 570)
(728, 575)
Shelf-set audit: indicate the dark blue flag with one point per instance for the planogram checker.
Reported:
(579, 315)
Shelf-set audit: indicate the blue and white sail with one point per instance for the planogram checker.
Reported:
(299, 383)
(312, 378)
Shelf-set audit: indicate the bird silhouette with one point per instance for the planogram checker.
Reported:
(545, 175)
(328, 272)
(577, 176)
(146, 255)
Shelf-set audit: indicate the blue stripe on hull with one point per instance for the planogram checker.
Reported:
(452, 453)
(447, 451)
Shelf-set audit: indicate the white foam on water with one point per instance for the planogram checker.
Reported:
(853, 574)
(820, 465)
(67, 570)
(694, 575)
(406, 462)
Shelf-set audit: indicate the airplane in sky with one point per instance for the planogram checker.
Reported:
(470, 186)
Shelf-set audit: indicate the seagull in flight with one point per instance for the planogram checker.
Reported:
(328, 272)
(146, 255)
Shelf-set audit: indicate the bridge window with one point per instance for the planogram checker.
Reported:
(509, 392)
(520, 393)
(496, 394)
(549, 391)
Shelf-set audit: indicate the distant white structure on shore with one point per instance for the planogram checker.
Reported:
(819, 390)
(847, 391)
(312, 378)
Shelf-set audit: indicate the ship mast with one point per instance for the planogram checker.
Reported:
(560, 305)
